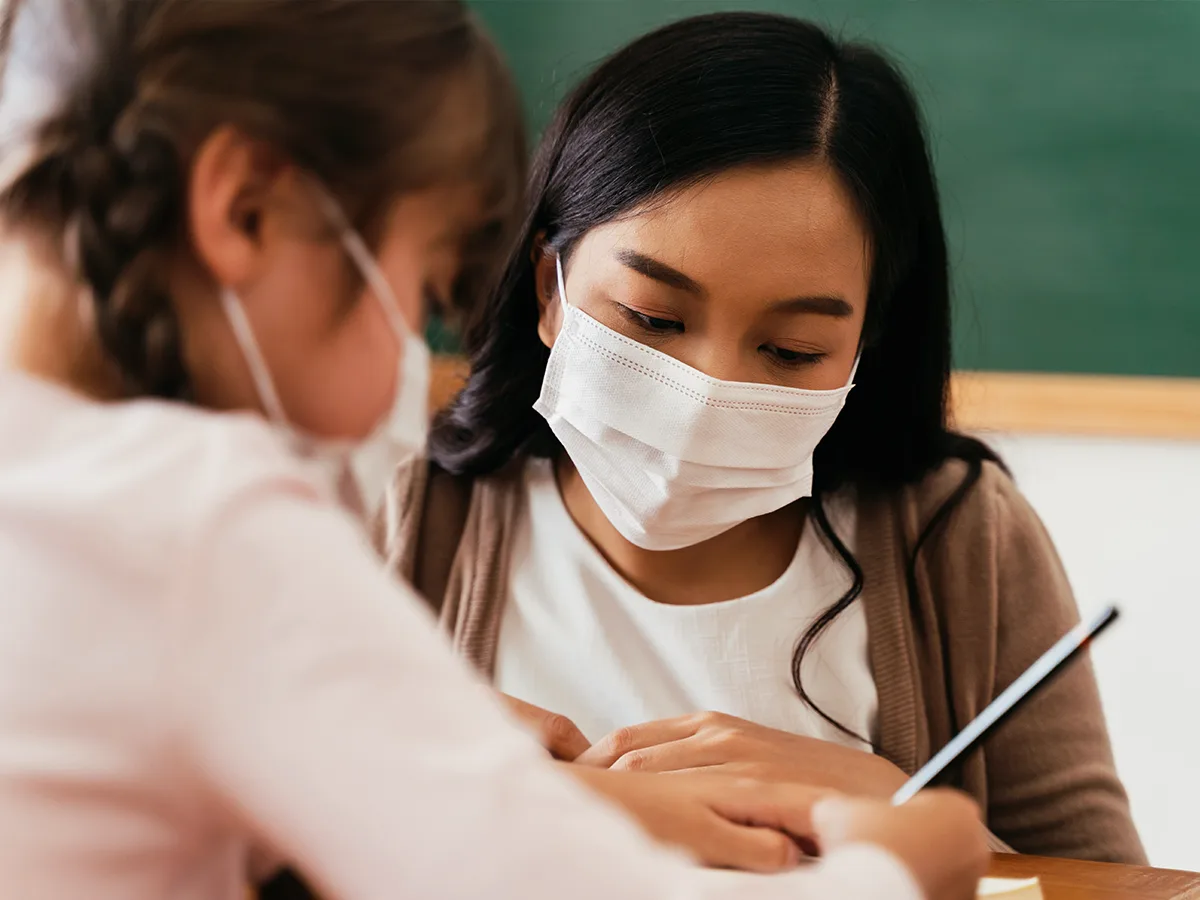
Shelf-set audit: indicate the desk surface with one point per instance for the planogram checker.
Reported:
(1061, 879)
(1066, 879)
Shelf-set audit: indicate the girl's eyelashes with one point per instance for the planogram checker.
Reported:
(650, 324)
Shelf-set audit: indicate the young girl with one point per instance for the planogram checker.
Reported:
(222, 221)
(710, 506)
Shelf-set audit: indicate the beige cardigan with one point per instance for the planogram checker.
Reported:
(991, 597)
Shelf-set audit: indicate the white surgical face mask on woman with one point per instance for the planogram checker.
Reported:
(672, 456)
(360, 469)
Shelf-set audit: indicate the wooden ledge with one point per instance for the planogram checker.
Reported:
(1077, 404)
(1018, 402)
(449, 375)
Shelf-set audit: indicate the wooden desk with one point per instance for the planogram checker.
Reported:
(1062, 879)
(1066, 879)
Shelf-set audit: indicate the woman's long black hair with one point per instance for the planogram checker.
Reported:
(684, 103)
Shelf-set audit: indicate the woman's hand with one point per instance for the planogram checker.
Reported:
(558, 734)
(736, 823)
(728, 745)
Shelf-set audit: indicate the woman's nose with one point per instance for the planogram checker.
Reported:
(722, 360)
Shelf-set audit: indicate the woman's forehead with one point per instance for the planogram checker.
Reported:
(791, 228)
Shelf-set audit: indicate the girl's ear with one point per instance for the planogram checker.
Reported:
(232, 196)
(545, 282)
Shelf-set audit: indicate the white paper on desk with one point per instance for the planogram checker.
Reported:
(1010, 888)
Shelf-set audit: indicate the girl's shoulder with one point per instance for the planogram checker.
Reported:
(146, 476)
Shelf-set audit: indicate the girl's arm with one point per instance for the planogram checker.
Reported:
(315, 704)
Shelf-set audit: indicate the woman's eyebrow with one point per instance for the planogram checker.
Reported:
(823, 306)
(659, 271)
(664, 274)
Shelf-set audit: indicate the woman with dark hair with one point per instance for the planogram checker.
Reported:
(700, 495)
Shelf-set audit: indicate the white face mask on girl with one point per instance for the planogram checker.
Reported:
(360, 469)
(672, 456)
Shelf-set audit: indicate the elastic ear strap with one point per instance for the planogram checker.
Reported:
(357, 250)
(360, 253)
(854, 369)
(259, 372)
(562, 285)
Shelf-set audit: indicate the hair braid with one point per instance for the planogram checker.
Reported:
(129, 195)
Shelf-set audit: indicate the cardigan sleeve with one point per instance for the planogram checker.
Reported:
(1052, 786)
(395, 526)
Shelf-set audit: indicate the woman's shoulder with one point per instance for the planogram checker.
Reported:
(989, 541)
(419, 477)
(978, 495)
(426, 508)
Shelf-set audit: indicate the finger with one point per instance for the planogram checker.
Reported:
(613, 746)
(563, 738)
(695, 752)
(748, 847)
(526, 712)
(558, 734)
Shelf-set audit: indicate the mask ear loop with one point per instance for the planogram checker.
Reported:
(357, 250)
(562, 285)
(415, 352)
(854, 369)
(252, 353)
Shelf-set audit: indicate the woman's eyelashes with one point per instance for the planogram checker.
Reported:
(653, 325)
(792, 359)
(786, 358)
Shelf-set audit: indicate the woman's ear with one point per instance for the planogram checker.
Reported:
(545, 280)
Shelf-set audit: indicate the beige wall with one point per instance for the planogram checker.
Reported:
(1125, 515)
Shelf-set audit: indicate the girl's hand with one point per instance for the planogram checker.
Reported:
(558, 734)
(725, 744)
(736, 823)
(938, 835)
(747, 824)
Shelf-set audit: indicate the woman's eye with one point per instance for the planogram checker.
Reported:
(651, 324)
(792, 358)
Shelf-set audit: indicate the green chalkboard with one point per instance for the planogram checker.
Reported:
(1067, 141)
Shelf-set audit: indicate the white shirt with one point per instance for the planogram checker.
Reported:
(200, 656)
(579, 640)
